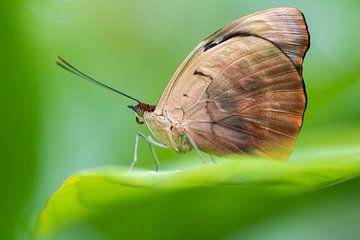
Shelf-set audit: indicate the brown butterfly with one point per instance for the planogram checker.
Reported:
(239, 91)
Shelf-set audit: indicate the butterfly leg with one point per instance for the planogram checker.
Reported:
(197, 150)
(156, 160)
(151, 143)
(212, 158)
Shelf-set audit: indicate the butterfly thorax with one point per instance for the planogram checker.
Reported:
(164, 130)
(167, 132)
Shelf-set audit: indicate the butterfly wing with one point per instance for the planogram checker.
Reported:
(241, 90)
(284, 27)
(244, 97)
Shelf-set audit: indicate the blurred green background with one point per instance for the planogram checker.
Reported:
(55, 124)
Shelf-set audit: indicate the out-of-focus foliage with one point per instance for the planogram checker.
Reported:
(19, 122)
(54, 124)
(208, 202)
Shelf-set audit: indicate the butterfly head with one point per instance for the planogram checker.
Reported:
(140, 109)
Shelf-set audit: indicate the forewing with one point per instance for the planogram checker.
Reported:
(243, 96)
(284, 27)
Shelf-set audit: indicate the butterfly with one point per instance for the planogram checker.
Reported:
(240, 91)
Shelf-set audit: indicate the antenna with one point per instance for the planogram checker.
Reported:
(68, 67)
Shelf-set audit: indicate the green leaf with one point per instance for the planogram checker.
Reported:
(204, 202)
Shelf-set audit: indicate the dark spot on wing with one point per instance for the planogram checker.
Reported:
(214, 43)
(197, 72)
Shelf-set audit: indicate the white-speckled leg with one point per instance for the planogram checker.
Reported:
(151, 143)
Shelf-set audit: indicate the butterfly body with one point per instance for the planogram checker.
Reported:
(167, 132)
(241, 90)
